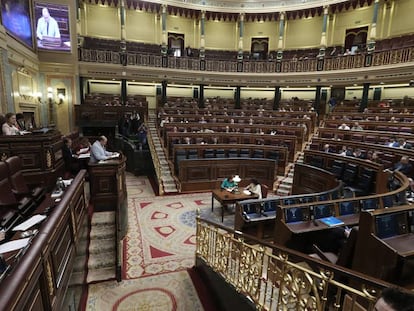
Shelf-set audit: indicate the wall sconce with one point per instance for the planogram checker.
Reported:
(61, 94)
(39, 97)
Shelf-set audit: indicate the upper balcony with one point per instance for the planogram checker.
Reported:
(394, 65)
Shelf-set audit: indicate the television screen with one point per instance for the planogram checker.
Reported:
(322, 211)
(386, 225)
(388, 201)
(293, 214)
(307, 199)
(324, 197)
(270, 205)
(369, 204)
(348, 208)
(289, 201)
(52, 26)
(16, 20)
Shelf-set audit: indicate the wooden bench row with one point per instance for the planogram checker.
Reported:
(223, 151)
(388, 156)
(207, 174)
(232, 140)
(277, 122)
(236, 113)
(398, 127)
(374, 137)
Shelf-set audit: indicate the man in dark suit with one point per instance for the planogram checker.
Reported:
(71, 166)
(404, 166)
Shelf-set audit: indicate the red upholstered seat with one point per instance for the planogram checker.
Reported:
(18, 183)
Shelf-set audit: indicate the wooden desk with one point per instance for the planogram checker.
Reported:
(225, 197)
(402, 244)
(317, 225)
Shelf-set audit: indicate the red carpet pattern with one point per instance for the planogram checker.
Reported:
(161, 235)
(164, 292)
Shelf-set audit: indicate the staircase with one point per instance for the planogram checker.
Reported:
(102, 252)
(165, 177)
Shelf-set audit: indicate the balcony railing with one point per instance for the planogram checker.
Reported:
(274, 278)
(382, 58)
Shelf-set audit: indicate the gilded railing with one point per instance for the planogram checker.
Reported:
(276, 278)
(382, 58)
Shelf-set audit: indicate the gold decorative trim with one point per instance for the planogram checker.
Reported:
(48, 159)
(273, 280)
(49, 277)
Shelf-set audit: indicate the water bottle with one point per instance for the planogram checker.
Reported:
(2, 234)
(60, 185)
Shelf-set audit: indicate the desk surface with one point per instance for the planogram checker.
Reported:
(224, 196)
(317, 225)
(402, 244)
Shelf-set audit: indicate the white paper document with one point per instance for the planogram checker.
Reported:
(13, 245)
(67, 182)
(114, 155)
(83, 150)
(84, 156)
(34, 220)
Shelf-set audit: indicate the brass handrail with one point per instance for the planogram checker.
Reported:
(277, 278)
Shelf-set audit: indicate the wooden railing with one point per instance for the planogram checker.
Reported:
(381, 58)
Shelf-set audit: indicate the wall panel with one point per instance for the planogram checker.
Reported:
(351, 19)
(221, 35)
(401, 22)
(261, 30)
(184, 26)
(303, 33)
(103, 21)
(141, 26)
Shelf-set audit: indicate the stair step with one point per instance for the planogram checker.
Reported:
(101, 274)
(103, 218)
(105, 245)
(102, 231)
(282, 192)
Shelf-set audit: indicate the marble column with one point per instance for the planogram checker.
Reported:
(364, 100)
(373, 32)
(281, 36)
(123, 55)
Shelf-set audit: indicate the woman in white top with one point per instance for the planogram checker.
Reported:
(255, 188)
(9, 127)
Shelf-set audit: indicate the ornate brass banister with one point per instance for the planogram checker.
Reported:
(277, 278)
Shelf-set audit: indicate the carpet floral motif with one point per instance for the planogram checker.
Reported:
(161, 235)
(156, 293)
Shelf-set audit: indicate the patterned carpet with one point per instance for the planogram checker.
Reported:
(164, 292)
(158, 248)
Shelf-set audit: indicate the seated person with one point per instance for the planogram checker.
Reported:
(404, 166)
(229, 184)
(98, 151)
(392, 299)
(10, 126)
(71, 166)
(254, 188)
(20, 122)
